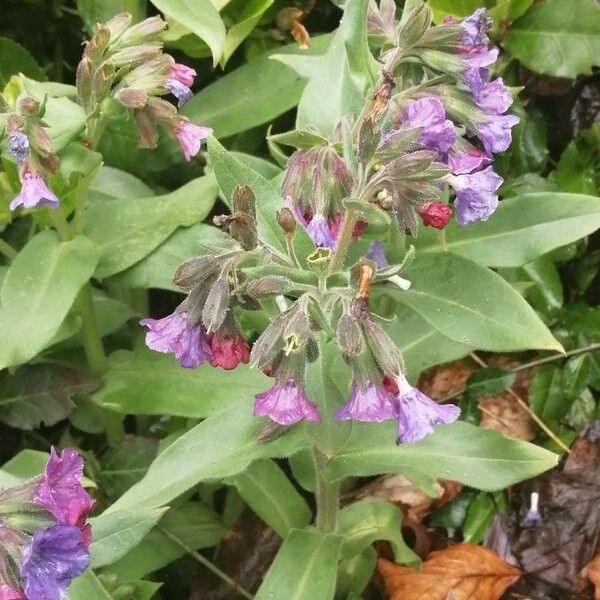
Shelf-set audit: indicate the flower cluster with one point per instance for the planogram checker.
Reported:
(41, 554)
(126, 63)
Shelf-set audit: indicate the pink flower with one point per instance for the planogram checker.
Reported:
(34, 192)
(286, 404)
(190, 137)
(183, 74)
(435, 214)
(368, 402)
(229, 351)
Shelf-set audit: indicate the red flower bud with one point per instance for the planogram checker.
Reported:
(390, 385)
(228, 351)
(435, 214)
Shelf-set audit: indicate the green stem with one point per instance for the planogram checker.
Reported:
(7, 250)
(92, 340)
(328, 495)
(60, 224)
(343, 241)
(209, 565)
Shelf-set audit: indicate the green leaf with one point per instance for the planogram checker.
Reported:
(65, 120)
(269, 493)
(201, 17)
(472, 305)
(43, 393)
(26, 464)
(523, 228)
(93, 12)
(156, 270)
(113, 183)
(193, 524)
(221, 446)
(151, 383)
(117, 533)
(251, 95)
(38, 291)
(87, 587)
(489, 382)
(109, 222)
(546, 395)
(305, 567)
(367, 521)
(480, 515)
(481, 458)
(557, 38)
(15, 60)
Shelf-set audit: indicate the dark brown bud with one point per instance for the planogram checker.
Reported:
(285, 219)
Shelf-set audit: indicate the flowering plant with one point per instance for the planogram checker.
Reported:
(282, 362)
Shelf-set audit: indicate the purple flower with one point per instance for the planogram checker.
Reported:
(34, 192)
(479, 61)
(475, 29)
(466, 159)
(495, 133)
(418, 414)
(53, 558)
(368, 402)
(286, 404)
(476, 197)
(493, 97)
(190, 137)
(428, 113)
(61, 492)
(172, 334)
(18, 146)
(183, 74)
(182, 92)
(319, 232)
(8, 593)
(376, 253)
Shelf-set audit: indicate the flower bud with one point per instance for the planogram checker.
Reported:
(147, 132)
(216, 306)
(286, 221)
(413, 28)
(381, 20)
(287, 16)
(97, 45)
(83, 81)
(268, 285)
(117, 25)
(145, 31)
(194, 271)
(161, 109)
(443, 61)
(101, 82)
(29, 105)
(269, 343)
(243, 227)
(435, 214)
(132, 97)
(134, 55)
(152, 75)
(386, 353)
(349, 334)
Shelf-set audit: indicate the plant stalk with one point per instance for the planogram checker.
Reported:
(343, 241)
(92, 340)
(7, 250)
(328, 495)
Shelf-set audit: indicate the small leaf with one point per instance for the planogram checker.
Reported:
(489, 382)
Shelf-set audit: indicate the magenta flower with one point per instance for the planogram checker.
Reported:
(368, 402)
(8, 593)
(319, 232)
(183, 74)
(53, 558)
(418, 414)
(476, 197)
(34, 192)
(172, 334)
(180, 91)
(429, 114)
(18, 146)
(286, 404)
(61, 492)
(495, 133)
(190, 137)
(228, 351)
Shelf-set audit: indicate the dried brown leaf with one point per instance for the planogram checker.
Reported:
(504, 414)
(461, 572)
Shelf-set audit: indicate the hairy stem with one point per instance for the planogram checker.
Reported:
(343, 241)
(328, 495)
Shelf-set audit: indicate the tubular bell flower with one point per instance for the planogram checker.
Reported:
(368, 402)
(190, 136)
(435, 214)
(476, 197)
(180, 91)
(418, 414)
(495, 133)
(465, 158)
(172, 334)
(319, 232)
(184, 74)
(53, 558)
(429, 114)
(228, 351)
(286, 404)
(18, 146)
(34, 192)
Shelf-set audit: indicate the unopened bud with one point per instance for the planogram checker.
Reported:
(435, 214)
(286, 220)
(287, 16)
(268, 345)
(142, 32)
(195, 270)
(443, 61)
(161, 109)
(216, 306)
(40, 140)
(268, 285)
(102, 81)
(385, 351)
(83, 81)
(136, 54)
(415, 26)
(147, 132)
(243, 226)
(117, 25)
(29, 105)
(132, 98)
(97, 45)
(349, 334)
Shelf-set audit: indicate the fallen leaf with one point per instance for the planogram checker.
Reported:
(504, 414)
(461, 572)
(592, 572)
(443, 380)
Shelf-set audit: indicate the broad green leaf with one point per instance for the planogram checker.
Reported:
(523, 228)
(194, 525)
(110, 223)
(113, 183)
(38, 291)
(87, 587)
(251, 95)
(546, 394)
(222, 446)
(481, 458)
(93, 12)
(15, 60)
(26, 464)
(480, 515)
(547, 294)
(151, 383)
(65, 120)
(508, 10)
(201, 17)
(156, 270)
(472, 305)
(265, 167)
(363, 68)
(367, 521)
(489, 382)
(557, 38)
(117, 533)
(237, 33)
(42, 393)
(269, 493)
(305, 567)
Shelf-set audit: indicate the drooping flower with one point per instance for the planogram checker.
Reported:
(18, 145)
(190, 136)
(61, 492)
(319, 232)
(368, 402)
(286, 404)
(52, 559)
(428, 113)
(475, 28)
(435, 214)
(495, 133)
(493, 97)
(183, 74)
(418, 414)
(464, 158)
(34, 192)
(182, 92)
(228, 351)
(376, 253)
(476, 197)
(172, 334)
(8, 593)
